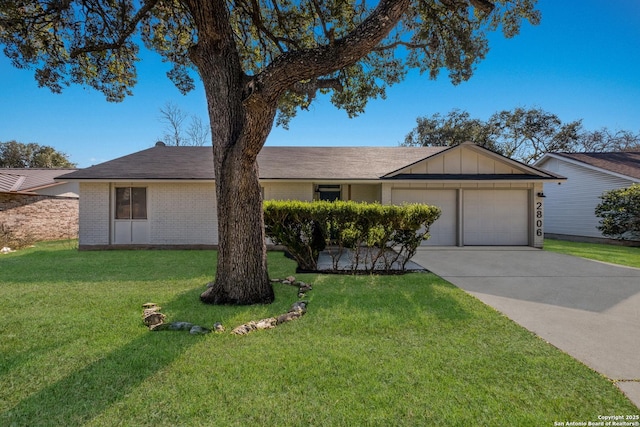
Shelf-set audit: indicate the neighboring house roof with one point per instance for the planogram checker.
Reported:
(625, 163)
(293, 163)
(15, 180)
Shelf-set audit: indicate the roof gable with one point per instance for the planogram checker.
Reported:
(624, 163)
(469, 160)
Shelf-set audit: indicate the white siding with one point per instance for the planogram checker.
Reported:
(94, 214)
(364, 193)
(65, 189)
(570, 207)
(288, 191)
(182, 214)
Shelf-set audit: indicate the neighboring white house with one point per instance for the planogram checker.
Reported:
(570, 207)
(165, 196)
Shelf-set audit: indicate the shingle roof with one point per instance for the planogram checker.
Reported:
(319, 163)
(624, 162)
(26, 180)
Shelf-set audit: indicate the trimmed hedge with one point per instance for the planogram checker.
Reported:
(376, 237)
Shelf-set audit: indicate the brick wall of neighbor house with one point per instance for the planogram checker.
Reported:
(182, 214)
(288, 191)
(94, 214)
(39, 217)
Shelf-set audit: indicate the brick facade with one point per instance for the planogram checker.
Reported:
(95, 219)
(39, 217)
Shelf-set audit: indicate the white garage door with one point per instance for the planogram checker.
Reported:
(495, 217)
(443, 230)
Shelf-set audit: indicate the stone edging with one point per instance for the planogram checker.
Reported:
(155, 321)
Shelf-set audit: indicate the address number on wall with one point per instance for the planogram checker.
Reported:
(539, 218)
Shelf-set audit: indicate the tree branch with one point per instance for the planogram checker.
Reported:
(401, 43)
(124, 35)
(484, 5)
(328, 33)
(310, 88)
(293, 67)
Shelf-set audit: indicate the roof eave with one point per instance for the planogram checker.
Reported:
(587, 166)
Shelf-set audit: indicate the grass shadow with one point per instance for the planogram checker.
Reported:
(85, 393)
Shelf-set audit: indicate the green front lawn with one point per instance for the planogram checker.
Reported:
(407, 350)
(623, 255)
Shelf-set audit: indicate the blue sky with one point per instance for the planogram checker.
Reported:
(581, 62)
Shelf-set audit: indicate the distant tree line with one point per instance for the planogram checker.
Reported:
(522, 134)
(15, 154)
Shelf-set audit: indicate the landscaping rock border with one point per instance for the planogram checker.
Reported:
(155, 321)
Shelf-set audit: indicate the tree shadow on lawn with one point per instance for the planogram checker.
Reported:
(86, 393)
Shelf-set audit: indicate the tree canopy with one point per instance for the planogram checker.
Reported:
(259, 62)
(523, 134)
(96, 42)
(15, 154)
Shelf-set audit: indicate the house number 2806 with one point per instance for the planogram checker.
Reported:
(538, 218)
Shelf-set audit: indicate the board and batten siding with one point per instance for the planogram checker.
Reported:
(464, 161)
(95, 214)
(570, 207)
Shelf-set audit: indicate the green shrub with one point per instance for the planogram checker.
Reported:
(620, 213)
(293, 225)
(366, 231)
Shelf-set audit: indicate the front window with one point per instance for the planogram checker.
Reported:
(131, 203)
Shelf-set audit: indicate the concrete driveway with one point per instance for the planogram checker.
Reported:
(588, 309)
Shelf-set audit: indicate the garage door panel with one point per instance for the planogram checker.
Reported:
(443, 230)
(495, 217)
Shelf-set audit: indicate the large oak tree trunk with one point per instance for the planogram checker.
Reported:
(240, 122)
(241, 277)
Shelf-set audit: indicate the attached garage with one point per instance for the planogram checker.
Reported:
(495, 217)
(486, 199)
(445, 230)
(491, 217)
